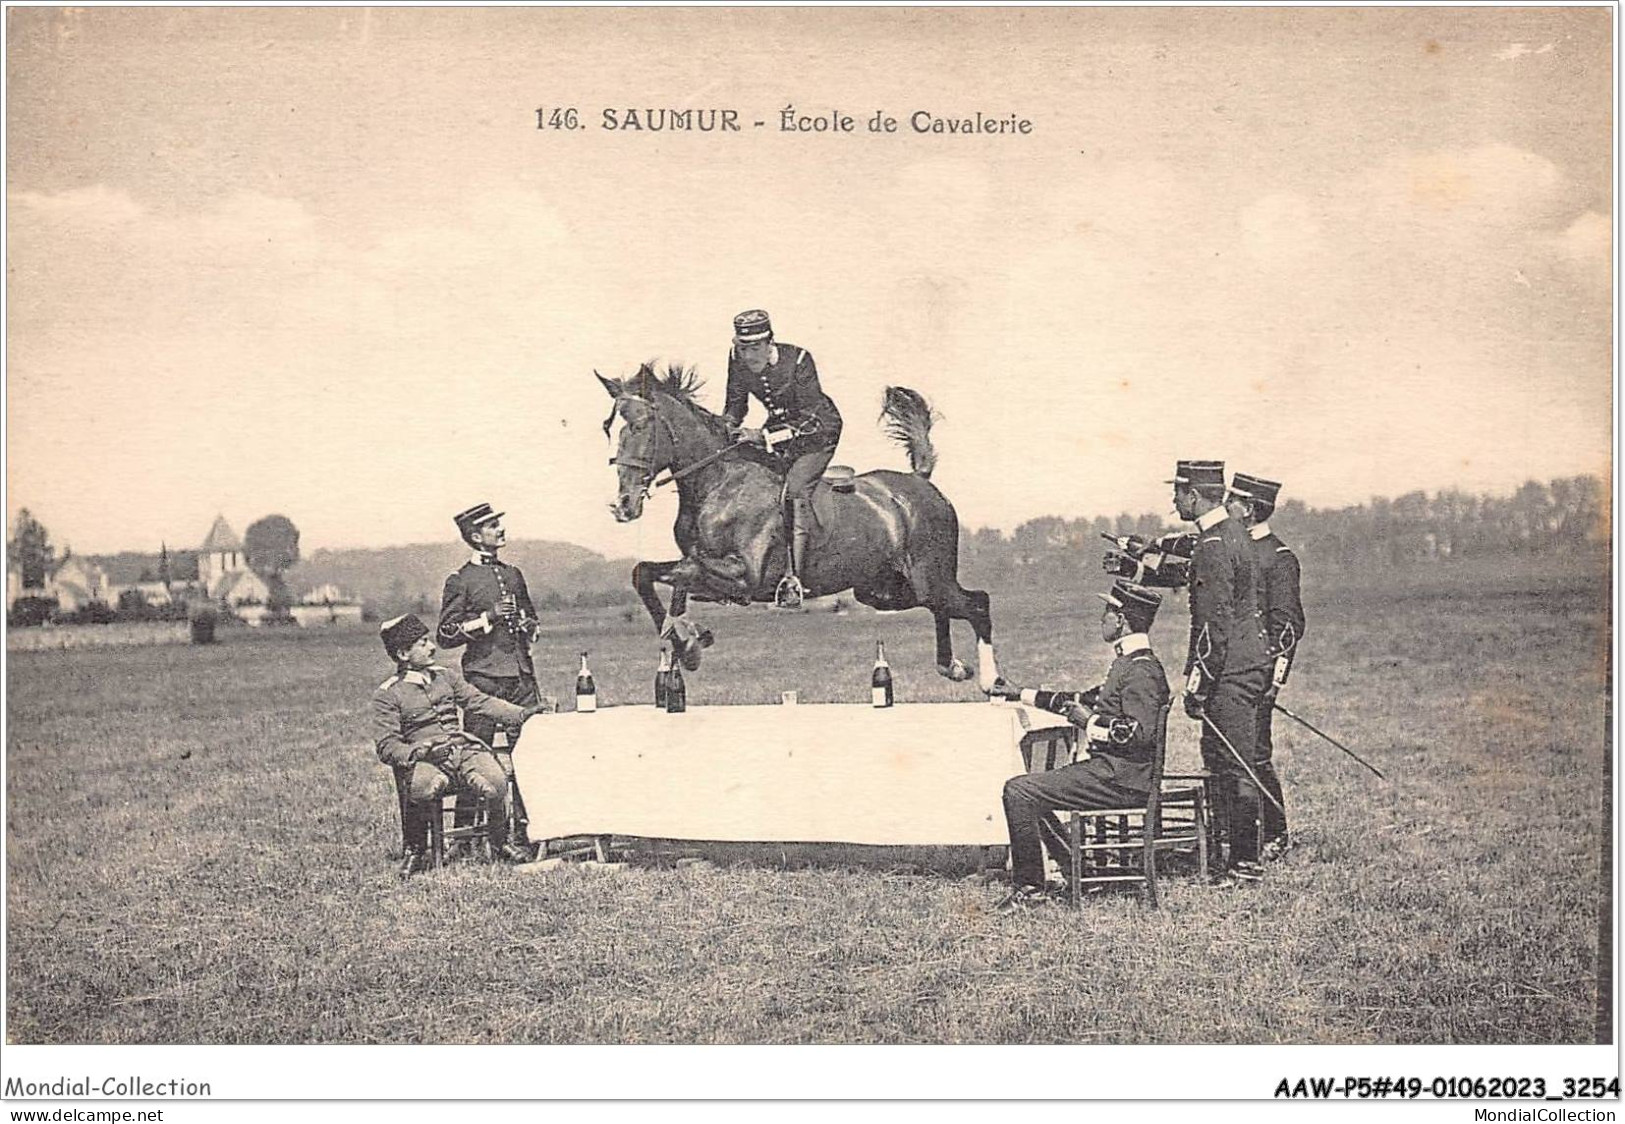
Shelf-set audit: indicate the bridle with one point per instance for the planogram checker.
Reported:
(645, 459)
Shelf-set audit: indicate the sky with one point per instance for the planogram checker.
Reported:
(323, 263)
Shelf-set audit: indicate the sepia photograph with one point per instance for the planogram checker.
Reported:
(580, 528)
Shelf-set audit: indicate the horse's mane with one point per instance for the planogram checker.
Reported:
(679, 382)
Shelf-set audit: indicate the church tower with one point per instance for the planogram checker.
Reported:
(220, 555)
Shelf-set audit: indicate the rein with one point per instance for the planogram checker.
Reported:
(644, 462)
(696, 466)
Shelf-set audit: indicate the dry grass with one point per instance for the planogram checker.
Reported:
(199, 850)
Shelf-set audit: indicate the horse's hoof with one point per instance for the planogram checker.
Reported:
(955, 671)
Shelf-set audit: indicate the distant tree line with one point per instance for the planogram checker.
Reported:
(1566, 515)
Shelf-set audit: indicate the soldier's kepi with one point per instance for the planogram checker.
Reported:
(802, 427)
(1227, 664)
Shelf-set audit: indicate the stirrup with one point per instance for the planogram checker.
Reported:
(789, 594)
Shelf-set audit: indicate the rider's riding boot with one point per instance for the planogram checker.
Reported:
(790, 591)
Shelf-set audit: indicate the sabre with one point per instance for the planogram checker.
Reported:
(1242, 761)
(1312, 728)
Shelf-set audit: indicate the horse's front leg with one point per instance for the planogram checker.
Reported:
(687, 639)
(644, 577)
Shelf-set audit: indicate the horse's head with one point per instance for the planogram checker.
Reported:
(643, 444)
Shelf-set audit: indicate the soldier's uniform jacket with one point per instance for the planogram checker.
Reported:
(1126, 705)
(788, 387)
(1284, 622)
(468, 618)
(412, 709)
(1227, 628)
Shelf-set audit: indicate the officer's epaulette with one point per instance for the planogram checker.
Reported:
(1213, 538)
(390, 682)
(1283, 550)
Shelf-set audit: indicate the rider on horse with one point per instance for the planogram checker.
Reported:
(802, 426)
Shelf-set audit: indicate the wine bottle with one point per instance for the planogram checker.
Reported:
(676, 692)
(586, 689)
(662, 675)
(880, 681)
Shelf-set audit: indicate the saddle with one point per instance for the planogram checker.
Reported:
(841, 478)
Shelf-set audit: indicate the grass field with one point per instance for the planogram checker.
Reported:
(199, 849)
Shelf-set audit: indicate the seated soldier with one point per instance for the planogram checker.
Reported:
(416, 724)
(1119, 719)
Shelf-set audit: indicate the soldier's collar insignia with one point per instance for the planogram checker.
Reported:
(1260, 530)
(413, 675)
(1211, 519)
(1133, 642)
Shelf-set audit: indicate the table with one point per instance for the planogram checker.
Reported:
(911, 774)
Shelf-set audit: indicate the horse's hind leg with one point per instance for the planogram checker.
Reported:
(979, 611)
(947, 665)
(975, 606)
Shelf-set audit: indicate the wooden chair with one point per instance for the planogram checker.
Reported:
(1113, 838)
(439, 832)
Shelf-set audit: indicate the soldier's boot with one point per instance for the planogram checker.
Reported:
(1272, 820)
(415, 840)
(519, 835)
(799, 517)
(1222, 791)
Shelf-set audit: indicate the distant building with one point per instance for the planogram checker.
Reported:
(326, 604)
(153, 593)
(77, 583)
(220, 556)
(222, 571)
(328, 594)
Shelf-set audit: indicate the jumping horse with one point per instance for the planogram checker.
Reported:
(890, 537)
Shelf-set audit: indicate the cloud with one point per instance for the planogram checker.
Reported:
(1514, 51)
(1494, 183)
(1589, 238)
(1586, 245)
(96, 205)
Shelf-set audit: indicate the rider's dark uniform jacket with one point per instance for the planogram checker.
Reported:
(788, 387)
(1227, 629)
(1126, 707)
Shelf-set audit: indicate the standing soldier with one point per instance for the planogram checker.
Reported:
(485, 609)
(1252, 500)
(1227, 668)
(802, 427)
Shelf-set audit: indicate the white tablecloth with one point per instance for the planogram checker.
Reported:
(912, 774)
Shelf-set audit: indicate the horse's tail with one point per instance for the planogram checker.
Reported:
(906, 417)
